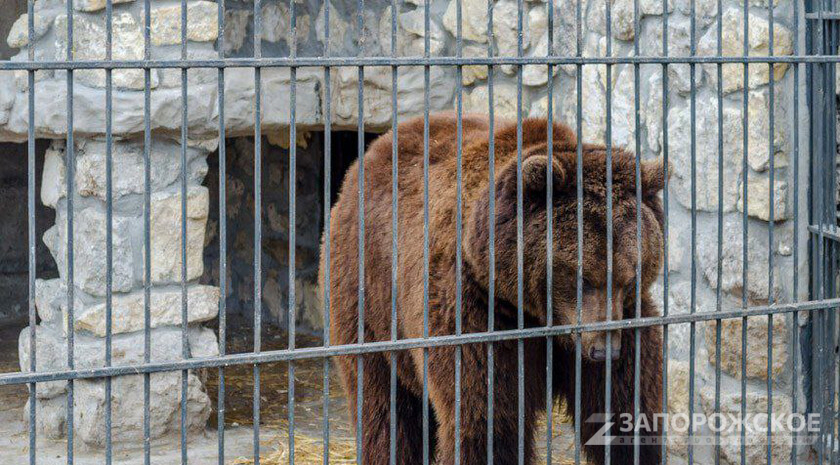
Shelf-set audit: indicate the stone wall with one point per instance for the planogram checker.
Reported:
(239, 155)
(598, 87)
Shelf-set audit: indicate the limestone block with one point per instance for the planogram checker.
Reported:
(337, 28)
(51, 354)
(471, 74)
(50, 417)
(504, 101)
(19, 33)
(89, 398)
(653, 108)
(759, 34)
(506, 32)
(593, 119)
(128, 311)
(166, 234)
(730, 349)
(708, 169)
(50, 296)
(621, 13)
(758, 108)
(377, 94)
(707, 154)
(202, 23)
(678, 403)
(756, 439)
(89, 352)
(89, 261)
(129, 167)
(473, 19)
(89, 44)
(276, 84)
(411, 33)
(705, 11)
(53, 183)
(758, 198)
(127, 407)
(732, 258)
(236, 32)
(276, 22)
(171, 77)
(537, 24)
(94, 5)
(537, 75)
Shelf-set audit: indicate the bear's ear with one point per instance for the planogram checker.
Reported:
(535, 174)
(653, 176)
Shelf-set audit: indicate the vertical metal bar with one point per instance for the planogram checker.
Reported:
(257, 222)
(817, 146)
(520, 251)
(360, 152)
(693, 298)
(109, 225)
(458, 226)
(771, 226)
(665, 225)
(795, 326)
(292, 222)
(327, 230)
(426, 102)
(745, 236)
(549, 243)
(220, 406)
(71, 174)
(185, 347)
(31, 230)
(491, 239)
(719, 288)
(147, 248)
(637, 335)
(395, 262)
(579, 210)
(609, 176)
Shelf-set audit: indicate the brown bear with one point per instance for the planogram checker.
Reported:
(442, 302)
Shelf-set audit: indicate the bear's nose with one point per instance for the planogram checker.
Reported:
(600, 355)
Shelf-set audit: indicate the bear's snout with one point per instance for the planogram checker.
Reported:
(598, 348)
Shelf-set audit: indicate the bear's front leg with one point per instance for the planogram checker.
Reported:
(474, 411)
(593, 385)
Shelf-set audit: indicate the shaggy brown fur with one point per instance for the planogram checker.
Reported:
(442, 308)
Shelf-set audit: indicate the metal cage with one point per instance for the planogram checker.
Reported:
(814, 344)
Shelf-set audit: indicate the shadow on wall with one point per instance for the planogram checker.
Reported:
(12, 9)
(309, 223)
(14, 220)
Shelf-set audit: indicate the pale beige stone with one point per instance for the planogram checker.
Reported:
(19, 33)
(166, 234)
(473, 19)
(757, 343)
(733, 45)
(128, 311)
(202, 23)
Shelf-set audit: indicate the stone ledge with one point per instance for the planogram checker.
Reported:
(128, 311)
(165, 106)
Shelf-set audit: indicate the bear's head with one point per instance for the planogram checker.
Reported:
(567, 207)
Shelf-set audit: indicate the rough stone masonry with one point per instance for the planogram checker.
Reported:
(598, 85)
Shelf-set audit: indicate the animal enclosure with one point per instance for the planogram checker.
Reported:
(169, 168)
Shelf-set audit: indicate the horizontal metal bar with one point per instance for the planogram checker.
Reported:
(830, 232)
(823, 16)
(408, 61)
(414, 343)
